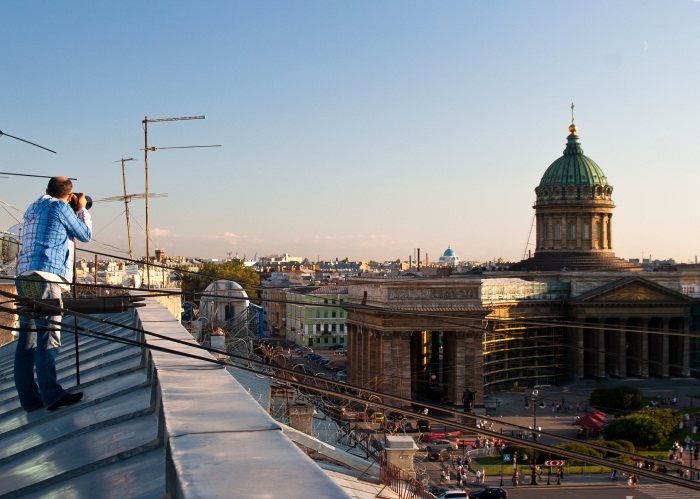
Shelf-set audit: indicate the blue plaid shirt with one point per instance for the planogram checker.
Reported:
(49, 228)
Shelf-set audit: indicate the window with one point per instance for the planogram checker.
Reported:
(325, 314)
(571, 232)
(333, 314)
(342, 328)
(586, 231)
(557, 231)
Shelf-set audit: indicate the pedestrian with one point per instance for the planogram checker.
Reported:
(454, 461)
(44, 267)
(464, 479)
(442, 476)
(483, 475)
(478, 476)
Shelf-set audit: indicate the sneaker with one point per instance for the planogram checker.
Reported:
(66, 400)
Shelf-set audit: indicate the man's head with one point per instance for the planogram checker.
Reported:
(59, 187)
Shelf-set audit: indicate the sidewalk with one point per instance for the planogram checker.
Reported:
(511, 406)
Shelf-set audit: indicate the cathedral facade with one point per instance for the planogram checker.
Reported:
(571, 310)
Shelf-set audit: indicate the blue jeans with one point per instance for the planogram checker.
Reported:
(38, 348)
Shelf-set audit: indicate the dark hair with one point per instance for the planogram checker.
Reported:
(59, 187)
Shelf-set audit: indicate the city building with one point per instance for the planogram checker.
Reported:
(315, 317)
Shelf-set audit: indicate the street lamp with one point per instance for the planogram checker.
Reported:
(533, 402)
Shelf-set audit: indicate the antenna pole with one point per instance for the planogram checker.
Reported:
(126, 207)
(145, 162)
(146, 121)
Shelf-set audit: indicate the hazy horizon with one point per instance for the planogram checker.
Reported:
(362, 130)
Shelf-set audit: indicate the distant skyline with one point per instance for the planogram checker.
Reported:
(353, 129)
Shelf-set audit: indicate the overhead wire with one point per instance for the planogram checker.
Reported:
(369, 394)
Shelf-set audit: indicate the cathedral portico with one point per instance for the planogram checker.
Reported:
(417, 339)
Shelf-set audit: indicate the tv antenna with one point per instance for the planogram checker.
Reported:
(146, 150)
(32, 143)
(126, 198)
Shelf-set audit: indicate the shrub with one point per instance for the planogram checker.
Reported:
(620, 398)
(522, 451)
(579, 448)
(613, 446)
(626, 445)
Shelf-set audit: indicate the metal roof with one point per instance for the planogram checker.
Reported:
(151, 423)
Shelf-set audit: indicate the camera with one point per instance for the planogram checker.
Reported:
(74, 201)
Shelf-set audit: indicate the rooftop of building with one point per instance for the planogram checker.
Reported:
(160, 417)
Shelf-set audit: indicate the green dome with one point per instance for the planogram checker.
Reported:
(573, 168)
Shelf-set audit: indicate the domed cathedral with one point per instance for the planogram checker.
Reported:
(449, 258)
(573, 213)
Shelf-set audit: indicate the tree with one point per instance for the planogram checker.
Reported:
(196, 282)
(643, 430)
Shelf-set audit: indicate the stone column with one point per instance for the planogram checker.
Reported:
(474, 365)
(405, 370)
(599, 363)
(604, 226)
(621, 360)
(579, 230)
(686, 349)
(644, 357)
(564, 232)
(353, 353)
(449, 362)
(417, 348)
(387, 367)
(576, 352)
(459, 381)
(665, 368)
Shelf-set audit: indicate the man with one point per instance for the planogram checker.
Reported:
(43, 269)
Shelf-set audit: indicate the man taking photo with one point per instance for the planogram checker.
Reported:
(44, 268)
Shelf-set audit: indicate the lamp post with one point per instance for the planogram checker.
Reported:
(533, 402)
(515, 468)
(501, 466)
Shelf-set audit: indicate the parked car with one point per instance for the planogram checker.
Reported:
(338, 347)
(423, 426)
(443, 455)
(407, 427)
(378, 417)
(489, 493)
(442, 444)
(450, 494)
(341, 351)
(396, 416)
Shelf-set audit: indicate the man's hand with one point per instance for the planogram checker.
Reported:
(77, 201)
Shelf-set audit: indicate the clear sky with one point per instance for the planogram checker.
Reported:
(360, 129)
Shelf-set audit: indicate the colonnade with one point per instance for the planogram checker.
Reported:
(629, 346)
